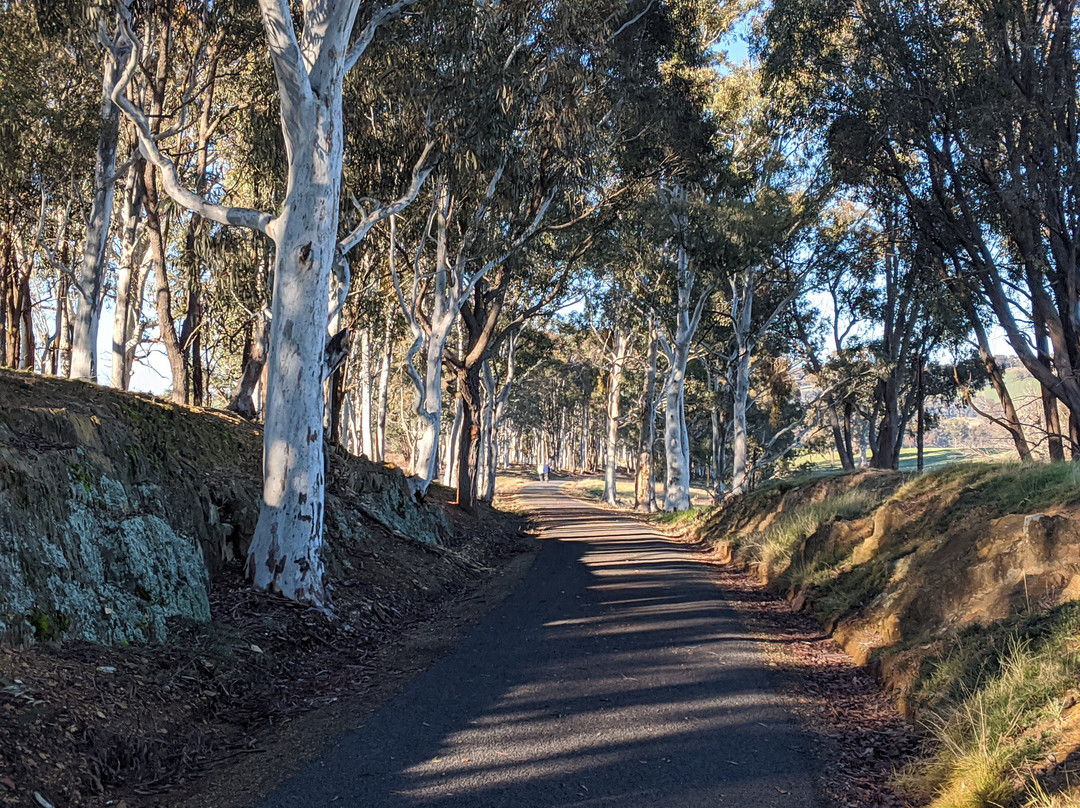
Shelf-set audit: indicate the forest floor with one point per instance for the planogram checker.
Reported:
(219, 712)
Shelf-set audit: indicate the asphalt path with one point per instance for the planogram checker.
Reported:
(614, 675)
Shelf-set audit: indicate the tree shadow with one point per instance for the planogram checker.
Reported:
(613, 676)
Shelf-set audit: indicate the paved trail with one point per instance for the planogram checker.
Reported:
(612, 676)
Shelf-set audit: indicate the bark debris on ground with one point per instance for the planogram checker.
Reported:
(861, 740)
(210, 711)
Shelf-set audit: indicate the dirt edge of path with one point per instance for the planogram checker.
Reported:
(860, 740)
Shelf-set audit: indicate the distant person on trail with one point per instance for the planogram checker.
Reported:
(547, 472)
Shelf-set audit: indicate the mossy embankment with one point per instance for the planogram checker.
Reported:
(959, 589)
(116, 509)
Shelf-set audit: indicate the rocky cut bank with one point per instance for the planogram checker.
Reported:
(116, 509)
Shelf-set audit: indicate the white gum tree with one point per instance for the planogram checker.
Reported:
(439, 288)
(675, 340)
(310, 63)
(617, 354)
(90, 275)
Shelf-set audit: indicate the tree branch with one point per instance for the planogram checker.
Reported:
(421, 171)
(368, 34)
(125, 55)
(293, 80)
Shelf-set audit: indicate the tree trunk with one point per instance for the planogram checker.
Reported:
(243, 398)
(742, 301)
(286, 552)
(383, 393)
(645, 486)
(1054, 443)
(676, 443)
(53, 359)
(920, 428)
(367, 432)
(489, 455)
(841, 436)
(429, 408)
(1011, 420)
(178, 364)
(336, 392)
(127, 274)
(676, 452)
(25, 315)
(90, 280)
(468, 446)
(618, 362)
(452, 447)
(499, 403)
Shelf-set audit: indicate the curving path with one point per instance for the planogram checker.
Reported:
(612, 676)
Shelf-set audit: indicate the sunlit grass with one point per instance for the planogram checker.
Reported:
(992, 702)
(934, 457)
(772, 548)
(1003, 487)
(1038, 797)
(592, 488)
(676, 518)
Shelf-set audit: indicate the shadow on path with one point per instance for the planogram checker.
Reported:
(613, 676)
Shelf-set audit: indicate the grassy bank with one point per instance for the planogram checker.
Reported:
(958, 587)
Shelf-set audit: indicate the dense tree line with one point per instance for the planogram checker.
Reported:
(460, 235)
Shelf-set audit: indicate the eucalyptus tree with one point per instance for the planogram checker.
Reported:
(618, 353)
(90, 276)
(530, 120)
(775, 190)
(310, 61)
(47, 130)
(675, 110)
(843, 244)
(969, 109)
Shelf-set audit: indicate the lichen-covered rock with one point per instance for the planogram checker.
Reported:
(95, 564)
(382, 495)
(116, 510)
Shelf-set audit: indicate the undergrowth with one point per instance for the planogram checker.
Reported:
(990, 705)
(772, 549)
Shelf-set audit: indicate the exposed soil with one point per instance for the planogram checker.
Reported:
(203, 716)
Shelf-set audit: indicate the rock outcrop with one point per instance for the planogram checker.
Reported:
(116, 510)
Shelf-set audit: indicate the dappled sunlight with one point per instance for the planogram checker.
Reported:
(617, 677)
(640, 653)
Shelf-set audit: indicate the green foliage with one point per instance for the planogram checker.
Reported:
(48, 626)
(678, 518)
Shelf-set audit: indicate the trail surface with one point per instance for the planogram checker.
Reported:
(613, 676)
